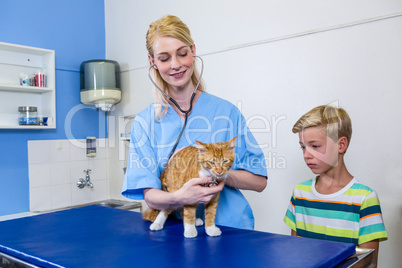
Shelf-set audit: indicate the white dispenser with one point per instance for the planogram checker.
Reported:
(100, 83)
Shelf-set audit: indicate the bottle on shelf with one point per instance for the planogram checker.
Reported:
(24, 80)
(40, 78)
(44, 76)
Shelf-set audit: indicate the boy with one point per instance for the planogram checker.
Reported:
(334, 206)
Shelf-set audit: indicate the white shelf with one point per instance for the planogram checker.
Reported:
(16, 59)
(26, 127)
(25, 89)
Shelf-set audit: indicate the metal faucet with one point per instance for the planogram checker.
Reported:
(81, 183)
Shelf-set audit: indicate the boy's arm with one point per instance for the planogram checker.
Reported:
(374, 244)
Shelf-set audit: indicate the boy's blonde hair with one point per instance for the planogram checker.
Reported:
(335, 121)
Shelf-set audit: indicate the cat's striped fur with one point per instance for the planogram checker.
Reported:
(204, 160)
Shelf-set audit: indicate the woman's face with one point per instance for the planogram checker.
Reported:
(174, 60)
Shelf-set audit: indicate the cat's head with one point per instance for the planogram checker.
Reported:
(217, 158)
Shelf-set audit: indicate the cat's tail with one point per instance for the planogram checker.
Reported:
(150, 214)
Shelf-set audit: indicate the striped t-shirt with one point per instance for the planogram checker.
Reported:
(351, 215)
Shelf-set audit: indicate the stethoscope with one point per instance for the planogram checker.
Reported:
(187, 112)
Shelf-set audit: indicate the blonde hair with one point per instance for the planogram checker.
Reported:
(168, 26)
(336, 122)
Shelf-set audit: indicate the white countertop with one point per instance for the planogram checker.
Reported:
(17, 215)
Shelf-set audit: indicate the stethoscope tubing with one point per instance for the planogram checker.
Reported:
(187, 112)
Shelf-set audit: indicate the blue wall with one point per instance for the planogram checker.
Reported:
(75, 29)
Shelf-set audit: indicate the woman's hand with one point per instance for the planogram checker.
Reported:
(191, 193)
(194, 191)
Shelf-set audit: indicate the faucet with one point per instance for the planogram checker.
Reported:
(81, 183)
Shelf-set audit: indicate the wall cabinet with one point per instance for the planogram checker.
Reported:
(17, 59)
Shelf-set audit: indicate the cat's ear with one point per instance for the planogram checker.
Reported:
(201, 147)
(232, 143)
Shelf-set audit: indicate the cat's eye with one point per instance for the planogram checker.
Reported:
(211, 162)
(225, 161)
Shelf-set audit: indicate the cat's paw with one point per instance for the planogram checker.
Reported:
(213, 231)
(190, 231)
(155, 226)
(199, 222)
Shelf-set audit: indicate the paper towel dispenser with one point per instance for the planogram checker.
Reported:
(100, 83)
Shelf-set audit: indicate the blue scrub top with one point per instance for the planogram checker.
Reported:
(211, 120)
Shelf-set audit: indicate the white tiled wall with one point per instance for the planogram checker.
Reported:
(54, 168)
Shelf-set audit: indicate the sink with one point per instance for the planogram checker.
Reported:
(126, 205)
(111, 203)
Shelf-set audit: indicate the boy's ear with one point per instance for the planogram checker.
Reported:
(343, 144)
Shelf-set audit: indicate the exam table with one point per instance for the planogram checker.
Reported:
(95, 236)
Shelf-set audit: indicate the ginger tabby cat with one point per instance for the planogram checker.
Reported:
(204, 160)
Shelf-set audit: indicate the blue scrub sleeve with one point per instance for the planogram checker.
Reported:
(249, 155)
(142, 168)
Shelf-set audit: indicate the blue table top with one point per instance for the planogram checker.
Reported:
(96, 236)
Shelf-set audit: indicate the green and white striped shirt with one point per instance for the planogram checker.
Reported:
(351, 215)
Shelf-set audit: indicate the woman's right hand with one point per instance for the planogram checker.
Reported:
(194, 191)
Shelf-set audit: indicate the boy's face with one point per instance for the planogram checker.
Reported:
(319, 151)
